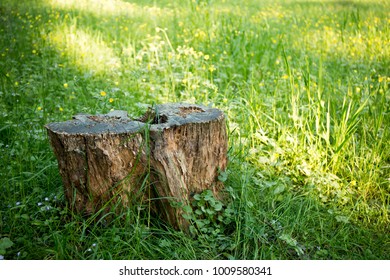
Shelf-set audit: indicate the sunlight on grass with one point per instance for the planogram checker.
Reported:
(87, 51)
(269, 13)
(336, 41)
(98, 7)
(109, 8)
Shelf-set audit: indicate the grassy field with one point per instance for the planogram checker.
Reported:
(305, 89)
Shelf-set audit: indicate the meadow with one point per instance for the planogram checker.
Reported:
(304, 85)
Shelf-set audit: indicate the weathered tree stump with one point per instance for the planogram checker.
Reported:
(104, 159)
(98, 158)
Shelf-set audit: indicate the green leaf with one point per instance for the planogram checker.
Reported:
(208, 195)
(187, 209)
(200, 224)
(187, 216)
(223, 176)
(5, 243)
(279, 189)
(218, 206)
(165, 243)
(25, 216)
(193, 230)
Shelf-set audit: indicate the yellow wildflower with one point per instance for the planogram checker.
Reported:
(103, 93)
(66, 85)
(111, 100)
(212, 68)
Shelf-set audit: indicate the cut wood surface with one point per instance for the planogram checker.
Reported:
(104, 159)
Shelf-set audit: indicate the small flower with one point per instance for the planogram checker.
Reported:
(39, 203)
(61, 109)
(103, 93)
(46, 199)
(94, 245)
(212, 68)
(206, 57)
(66, 85)
(17, 203)
(111, 100)
(194, 86)
(39, 108)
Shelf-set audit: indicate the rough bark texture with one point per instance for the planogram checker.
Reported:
(98, 158)
(187, 151)
(104, 158)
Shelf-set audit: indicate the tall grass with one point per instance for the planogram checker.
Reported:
(304, 86)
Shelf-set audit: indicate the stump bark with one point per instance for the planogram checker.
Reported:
(104, 159)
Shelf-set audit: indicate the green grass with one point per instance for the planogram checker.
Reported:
(304, 86)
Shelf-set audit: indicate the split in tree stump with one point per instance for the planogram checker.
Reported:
(104, 159)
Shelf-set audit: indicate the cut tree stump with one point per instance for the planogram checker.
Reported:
(106, 159)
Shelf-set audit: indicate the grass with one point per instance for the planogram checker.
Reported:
(304, 86)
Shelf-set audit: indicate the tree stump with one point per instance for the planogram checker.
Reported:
(104, 159)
